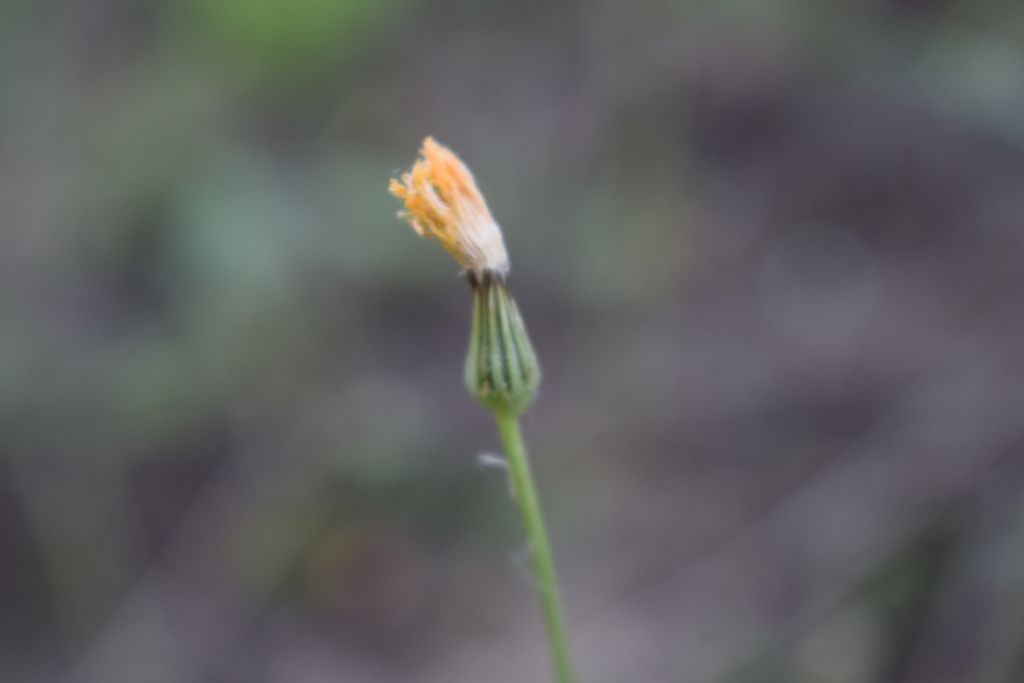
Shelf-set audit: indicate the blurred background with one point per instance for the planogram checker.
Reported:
(770, 254)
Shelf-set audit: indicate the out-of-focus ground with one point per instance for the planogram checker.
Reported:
(770, 254)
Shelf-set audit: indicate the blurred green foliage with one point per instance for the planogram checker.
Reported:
(289, 38)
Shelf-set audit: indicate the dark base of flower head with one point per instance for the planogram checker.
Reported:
(502, 370)
(484, 278)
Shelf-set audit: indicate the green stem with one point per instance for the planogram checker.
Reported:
(540, 548)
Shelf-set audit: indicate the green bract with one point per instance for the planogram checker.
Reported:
(502, 370)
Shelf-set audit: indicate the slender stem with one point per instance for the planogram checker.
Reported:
(540, 547)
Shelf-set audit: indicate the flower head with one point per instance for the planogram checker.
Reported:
(442, 201)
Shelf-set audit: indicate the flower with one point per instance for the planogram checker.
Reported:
(442, 201)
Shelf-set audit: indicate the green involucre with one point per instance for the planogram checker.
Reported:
(502, 370)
